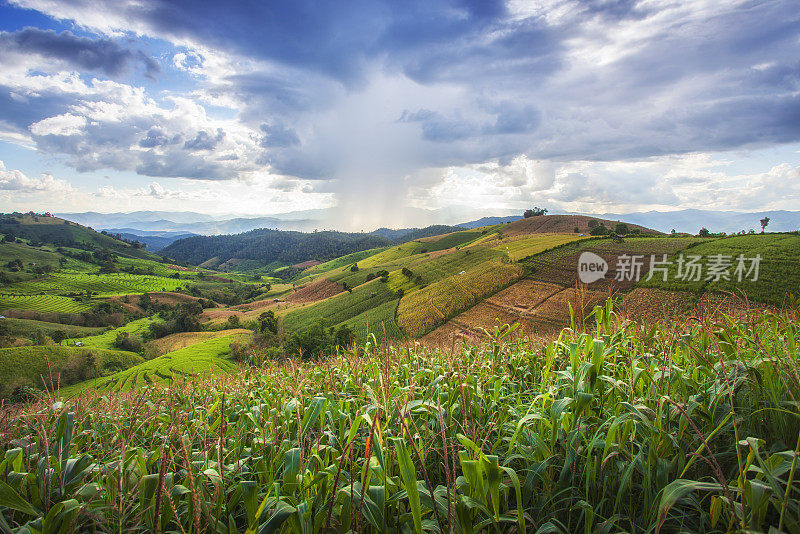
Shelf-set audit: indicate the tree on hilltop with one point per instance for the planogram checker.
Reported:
(535, 212)
(764, 223)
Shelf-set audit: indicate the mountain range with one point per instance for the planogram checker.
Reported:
(166, 224)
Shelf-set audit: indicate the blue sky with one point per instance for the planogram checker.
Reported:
(376, 107)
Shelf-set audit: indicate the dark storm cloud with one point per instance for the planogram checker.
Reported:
(81, 52)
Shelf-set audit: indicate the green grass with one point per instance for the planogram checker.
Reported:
(103, 285)
(43, 303)
(612, 430)
(206, 357)
(779, 271)
(26, 327)
(53, 365)
(339, 308)
(106, 339)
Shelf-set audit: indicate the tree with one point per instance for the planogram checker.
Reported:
(59, 336)
(704, 232)
(535, 212)
(673, 232)
(354, 268)
(621, 228)
(592, 224)
(599, 230)
(764, 222)
(576, 230)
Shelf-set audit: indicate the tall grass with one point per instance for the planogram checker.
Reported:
(620, 429)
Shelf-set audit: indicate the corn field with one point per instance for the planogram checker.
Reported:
(618, 429)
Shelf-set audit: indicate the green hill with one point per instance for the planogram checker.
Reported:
(51, 366)
(42, 228)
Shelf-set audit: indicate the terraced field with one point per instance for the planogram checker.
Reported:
(778, 273)
(43, 303)
(339, 308)
(380, 320)
(520, 248)
(423, 310)
(207, 357)
(104, 285)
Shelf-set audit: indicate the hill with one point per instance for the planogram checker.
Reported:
(279, 248)
(44, 228)
(154, 241)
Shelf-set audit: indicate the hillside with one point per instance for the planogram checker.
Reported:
(42, 228)
(277, 248)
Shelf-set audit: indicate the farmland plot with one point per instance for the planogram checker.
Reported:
(43, 303)
(104, 285)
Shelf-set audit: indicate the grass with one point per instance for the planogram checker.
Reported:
(204, 358)
(53, 365)
(618, 429)
(339, 308)
(106, 339)
(43, 303)
(455, 239)
(778, 272)
(26, 327)
(103, 285)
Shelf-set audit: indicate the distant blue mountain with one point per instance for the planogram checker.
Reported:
(487, 221)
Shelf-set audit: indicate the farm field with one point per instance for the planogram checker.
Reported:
(207, 357)
(422, 311)
(339, 308)
(520, 248)
(605, 388)
(778, 273)
(43, 303)
(380, 321)
(103, 285)
(50, 366)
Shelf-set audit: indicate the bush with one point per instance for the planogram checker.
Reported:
(621, 228)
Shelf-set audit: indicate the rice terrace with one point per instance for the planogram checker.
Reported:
(440, 267)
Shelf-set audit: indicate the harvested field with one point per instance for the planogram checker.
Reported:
(524, 295)
(319, 290)
(648, 306)
(561, 224)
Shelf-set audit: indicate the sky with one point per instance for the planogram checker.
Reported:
(377, 107)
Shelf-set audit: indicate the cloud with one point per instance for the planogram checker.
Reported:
(14, 180)
(102, 55)
(528, 98)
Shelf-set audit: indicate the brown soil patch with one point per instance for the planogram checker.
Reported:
(318, 290)
(713, 305)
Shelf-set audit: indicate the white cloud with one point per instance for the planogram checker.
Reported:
(14, 180)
